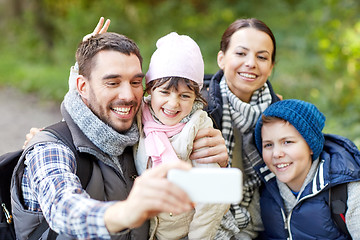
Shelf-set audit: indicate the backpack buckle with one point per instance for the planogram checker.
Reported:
(8, 216)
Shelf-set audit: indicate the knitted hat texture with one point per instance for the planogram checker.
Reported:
(304, 116)
(176, 56)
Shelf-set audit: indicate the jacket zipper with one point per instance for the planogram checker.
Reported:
(287, 222)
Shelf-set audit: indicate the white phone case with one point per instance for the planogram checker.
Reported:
(209, 185)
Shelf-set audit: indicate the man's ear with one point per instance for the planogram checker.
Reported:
(220, 60)
(82, 86)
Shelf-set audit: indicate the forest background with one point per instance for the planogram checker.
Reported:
(318, 44)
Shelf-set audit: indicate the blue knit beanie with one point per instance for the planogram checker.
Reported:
(304, 116)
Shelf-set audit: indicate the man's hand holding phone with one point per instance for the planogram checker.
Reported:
(209, 185)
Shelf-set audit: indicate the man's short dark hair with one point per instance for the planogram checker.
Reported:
(105, 41)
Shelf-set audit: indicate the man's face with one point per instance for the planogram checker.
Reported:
(114, 90)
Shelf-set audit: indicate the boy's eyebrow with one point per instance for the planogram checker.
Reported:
(290, 137)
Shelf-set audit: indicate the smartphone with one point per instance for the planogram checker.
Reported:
(209, 185)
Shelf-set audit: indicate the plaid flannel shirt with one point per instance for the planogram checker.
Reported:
(50, 185)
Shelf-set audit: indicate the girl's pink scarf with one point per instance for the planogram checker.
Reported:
(157, 143)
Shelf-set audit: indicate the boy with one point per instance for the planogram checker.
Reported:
(301, 165)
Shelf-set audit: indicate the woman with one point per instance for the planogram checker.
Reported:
(237, 95)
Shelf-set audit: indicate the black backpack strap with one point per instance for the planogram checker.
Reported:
(36, 234)
(207, 79)
(83, 171)
(338, 204)
(84, 165)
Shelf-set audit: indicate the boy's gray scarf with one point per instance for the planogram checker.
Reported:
(243, 116)
(103, 136)
(289, 198)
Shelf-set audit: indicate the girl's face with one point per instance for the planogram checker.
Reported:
(286, 153)
(247, 62)
(171, 106)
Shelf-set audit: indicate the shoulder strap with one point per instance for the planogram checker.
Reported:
(338, 203)
(83, 171)
(84, 166)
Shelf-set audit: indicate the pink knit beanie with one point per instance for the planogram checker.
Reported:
(176, 56)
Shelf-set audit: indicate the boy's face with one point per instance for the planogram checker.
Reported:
(171, 106)
(286, 153)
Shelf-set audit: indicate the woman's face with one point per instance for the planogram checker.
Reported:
(247, 62)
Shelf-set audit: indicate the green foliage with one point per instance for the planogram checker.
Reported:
(318, 43)
(337, 34)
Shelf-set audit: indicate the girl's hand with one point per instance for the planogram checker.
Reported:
(100, 28)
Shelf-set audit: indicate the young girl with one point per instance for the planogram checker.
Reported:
(171, 116)
(302, 164)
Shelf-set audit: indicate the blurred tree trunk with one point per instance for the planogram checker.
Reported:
(17, 7)
(43, 21)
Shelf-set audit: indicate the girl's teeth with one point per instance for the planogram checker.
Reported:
(169, 112)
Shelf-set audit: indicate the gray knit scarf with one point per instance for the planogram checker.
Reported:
(103, 136)
(243, 116)
(288, 197)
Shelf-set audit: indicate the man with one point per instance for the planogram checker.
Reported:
(100, 116)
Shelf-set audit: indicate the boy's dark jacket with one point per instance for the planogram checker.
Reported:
(311, 217)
